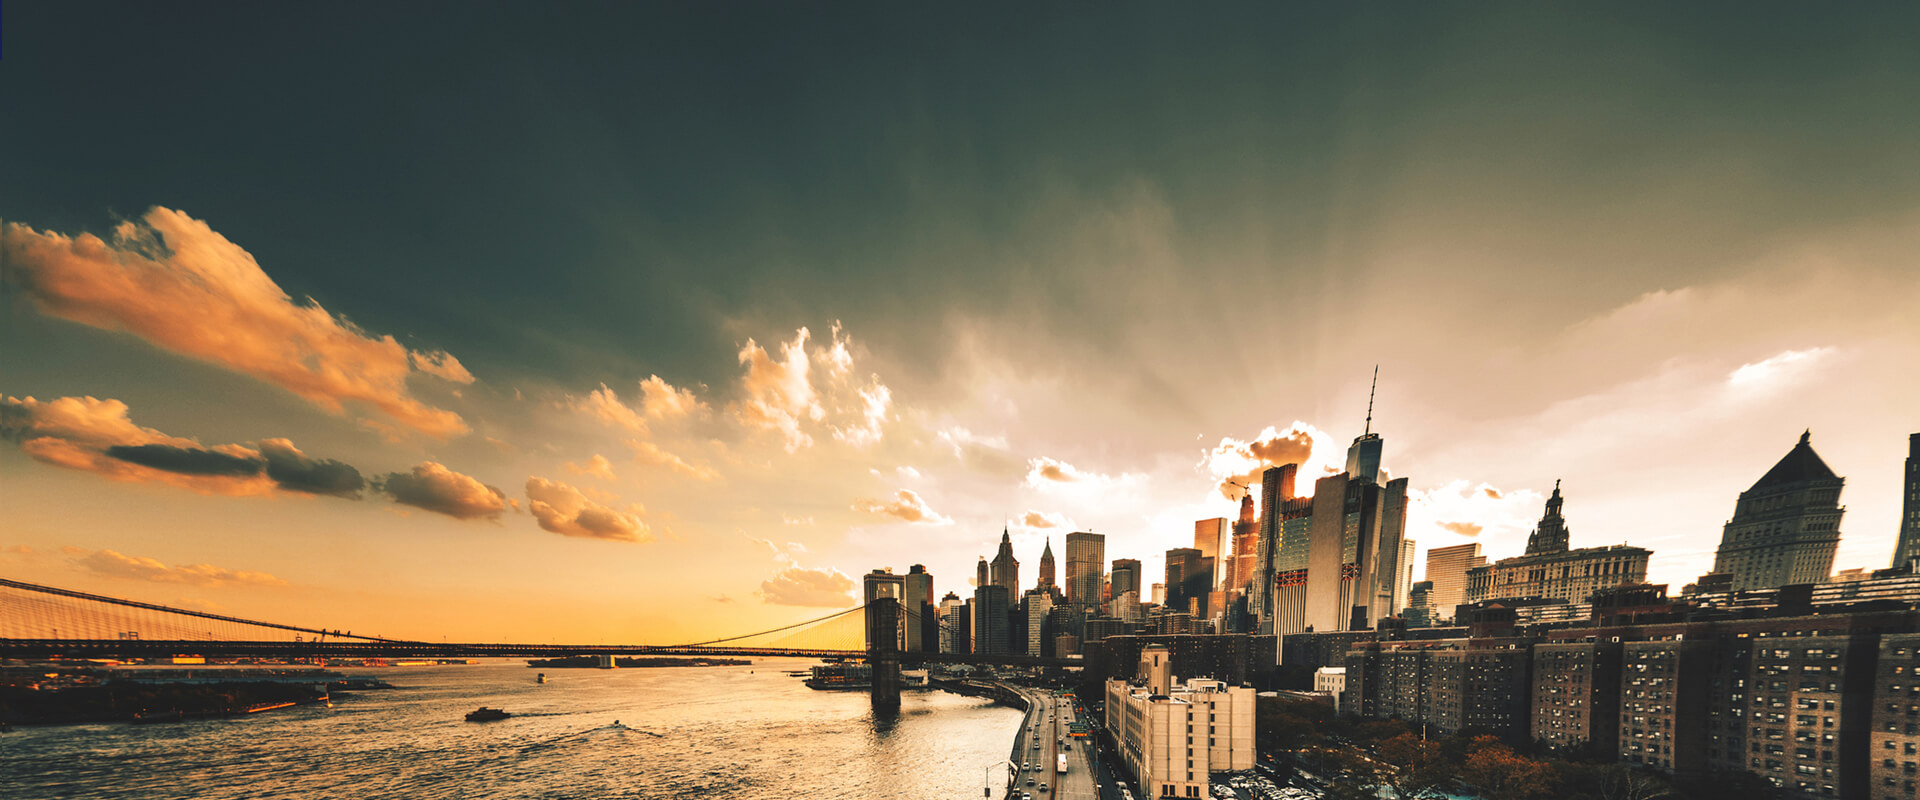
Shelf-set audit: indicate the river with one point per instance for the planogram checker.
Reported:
(686, 732)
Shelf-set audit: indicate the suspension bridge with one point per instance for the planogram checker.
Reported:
(41, 622)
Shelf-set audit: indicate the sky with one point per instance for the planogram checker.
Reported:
(655, 323)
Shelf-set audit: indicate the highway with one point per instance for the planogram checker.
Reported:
(1042, 739)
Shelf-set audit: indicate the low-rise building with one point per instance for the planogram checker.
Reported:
(1173, 736)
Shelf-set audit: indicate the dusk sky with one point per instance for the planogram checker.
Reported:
(656, 322)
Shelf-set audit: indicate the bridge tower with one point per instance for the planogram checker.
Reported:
(883, 650)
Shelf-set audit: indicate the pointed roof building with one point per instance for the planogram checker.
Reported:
(1046, 566)
(1786, 528)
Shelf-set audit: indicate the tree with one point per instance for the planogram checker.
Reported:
(1501, 774)
(1616, 782)
(1415, 766)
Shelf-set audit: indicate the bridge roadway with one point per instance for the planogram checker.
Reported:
(152, 648)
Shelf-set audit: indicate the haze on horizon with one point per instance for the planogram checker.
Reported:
(672, 322)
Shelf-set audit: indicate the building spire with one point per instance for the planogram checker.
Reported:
(1370, 391)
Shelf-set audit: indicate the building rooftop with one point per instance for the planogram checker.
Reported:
(1799, 465)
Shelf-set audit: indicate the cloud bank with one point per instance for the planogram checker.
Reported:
(98, 436)
(172, 281)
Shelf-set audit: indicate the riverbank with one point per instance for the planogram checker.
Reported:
(593, 662)
(150, 702)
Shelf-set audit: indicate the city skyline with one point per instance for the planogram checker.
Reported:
(693, 354)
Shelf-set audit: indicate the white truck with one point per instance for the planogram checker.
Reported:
(1060, 765)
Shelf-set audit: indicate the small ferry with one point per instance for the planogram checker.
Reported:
(484, 714)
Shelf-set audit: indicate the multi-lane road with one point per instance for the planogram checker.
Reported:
(1043, 738)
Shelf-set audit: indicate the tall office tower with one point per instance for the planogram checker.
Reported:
(1550, 536)
(883, 583)
(1189, 574)
(953, 625)
(990, 605)
(1125, 578)
(982, 579)
(1276, 488)
(1039, 603)
(1214, 539)
(1419, 610)
(1086, 554)
(1784, 530)
(1393, 573)
(1126, 606)
(1159, 596)
(919, 586)
(1350, 540)
(1909, 546)
(1046, 565)
(916, 604)
(1246, 543)
(1199, 599)
(1447, 571)
(1006, 568)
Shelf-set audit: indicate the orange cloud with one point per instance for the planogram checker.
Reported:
(598, 467)
(1234, 461)
(781, 394)
(906, 505)
(113, 564)
(1041, 519)
(433, 487)
(649, 453)
(663, 401)
(171, 280)
(97, 436)
(564, 510)
(817, 588)
(778, 394)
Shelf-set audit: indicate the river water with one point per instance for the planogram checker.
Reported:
(694, 732)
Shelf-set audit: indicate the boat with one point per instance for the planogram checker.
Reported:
(485, 714)
(151, 717)
(540, 678)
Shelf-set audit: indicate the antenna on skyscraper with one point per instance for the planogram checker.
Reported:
(1370, 390)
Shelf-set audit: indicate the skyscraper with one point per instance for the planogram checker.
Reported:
(1086, 554)
(917, 605)
(1276, 488)
(1046, 566)
(1335, 561)
(1784, 530)
(953, 624)
(1246, 543)
(981, 579)
(883, 583)
(1189, 574)
(1214, 539)
(1126, 577)
(1039, 604)
(1909, 545)
(1447, 571)
(1006, 568)
(990, 606)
